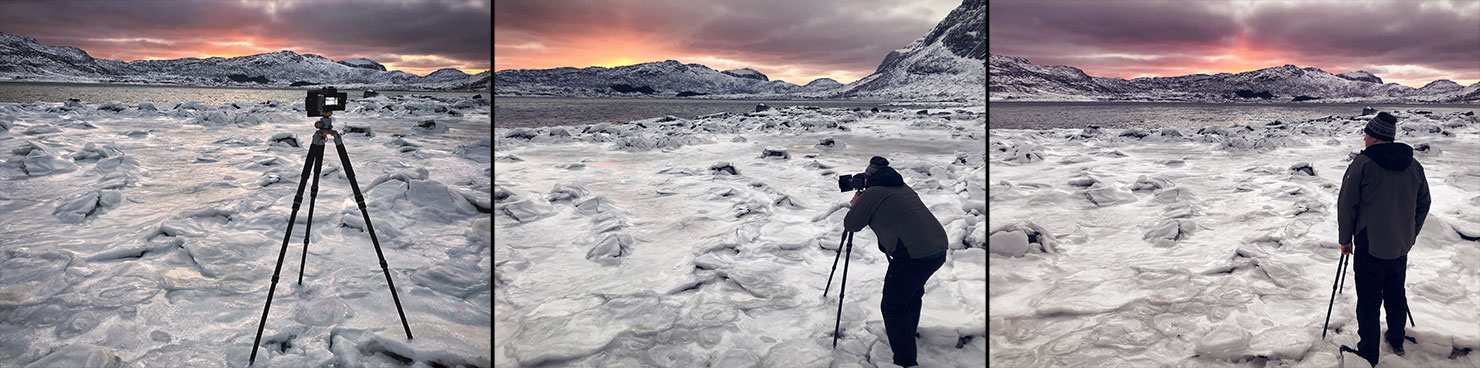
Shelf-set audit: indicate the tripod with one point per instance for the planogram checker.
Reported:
(315, 158)
(842, 286)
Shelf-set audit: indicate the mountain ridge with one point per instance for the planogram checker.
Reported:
(948, 63)
(1016, 78)
(24, 59)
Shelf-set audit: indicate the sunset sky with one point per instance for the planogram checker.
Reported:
(1410, 42)
(414, 36)
(795, 41)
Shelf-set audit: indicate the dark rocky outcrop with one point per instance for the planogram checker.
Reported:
(1244, 93)
(302, 83)
(689, 93)
(628, 89)
(243, 78)
(1304, 98)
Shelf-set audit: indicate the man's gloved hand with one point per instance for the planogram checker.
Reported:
(1346, 249)
(855, 199)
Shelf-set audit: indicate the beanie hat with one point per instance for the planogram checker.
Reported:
(874, 164)
(1383, 127)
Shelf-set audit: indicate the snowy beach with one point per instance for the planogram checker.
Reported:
(146, 235)
(671, 242)
(1215, 246)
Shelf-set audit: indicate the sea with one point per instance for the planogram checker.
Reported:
(28, 92)
(531, 112)
(1157, 115)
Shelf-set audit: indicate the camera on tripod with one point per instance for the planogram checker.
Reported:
(857, 181)
(320, 102)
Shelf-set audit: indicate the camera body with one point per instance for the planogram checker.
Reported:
(857, 181)
(319, 102)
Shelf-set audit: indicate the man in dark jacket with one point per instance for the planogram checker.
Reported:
(1384, 199)
(912, 239)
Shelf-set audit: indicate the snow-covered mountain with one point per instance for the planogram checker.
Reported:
(948, 63)
(821, 84)
(658, 79)
(1015, 78)
(24, 59)
(747, 73)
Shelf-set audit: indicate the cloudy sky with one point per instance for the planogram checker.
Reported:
(1411, 42)
(415, 36)
(795, 41)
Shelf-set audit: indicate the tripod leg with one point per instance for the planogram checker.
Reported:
(313, 195)
(835, 264)
(349, 172)
(313, 151)
(842, 290)
(1340, 265)
(1346, 258)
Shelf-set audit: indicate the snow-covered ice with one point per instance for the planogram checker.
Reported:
(146, 235)
(671, 242)
(1215, 247)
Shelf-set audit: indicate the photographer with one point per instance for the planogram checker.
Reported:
(912, 239)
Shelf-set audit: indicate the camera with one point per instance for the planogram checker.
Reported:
(852, 182)
(320, 102)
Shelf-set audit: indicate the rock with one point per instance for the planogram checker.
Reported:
(431, 126)
(1428, 149)
(477, 96)
(1303, 167)
(830, 143)
(359, 129)
(369, 93)
(724, 168)
(775, 152)
(113, 106)
(761, 107)
(1368, 110)
(283, 139)
(874, 110)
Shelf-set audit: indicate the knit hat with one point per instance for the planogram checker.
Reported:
(874, 164)
(1383, 127)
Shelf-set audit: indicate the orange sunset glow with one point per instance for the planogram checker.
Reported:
(795, 42)
(1411, 43)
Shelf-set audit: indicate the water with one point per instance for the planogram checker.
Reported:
(1050, 115)
(512, 112)
(28, 92)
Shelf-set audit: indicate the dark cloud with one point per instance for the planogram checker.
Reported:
(456, 31)
(1408, 39)
(773, 36)
(1377, 33)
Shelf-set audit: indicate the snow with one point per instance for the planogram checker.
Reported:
(1186, 250)
(149, 239)
(716, 251)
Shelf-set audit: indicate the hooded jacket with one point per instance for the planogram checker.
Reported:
(897, 216)
(1384, 191)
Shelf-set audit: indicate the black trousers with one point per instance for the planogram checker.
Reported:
(1379, 283)
(904, 286)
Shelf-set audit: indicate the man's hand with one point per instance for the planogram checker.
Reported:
(1346, 249)
(854, 200)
